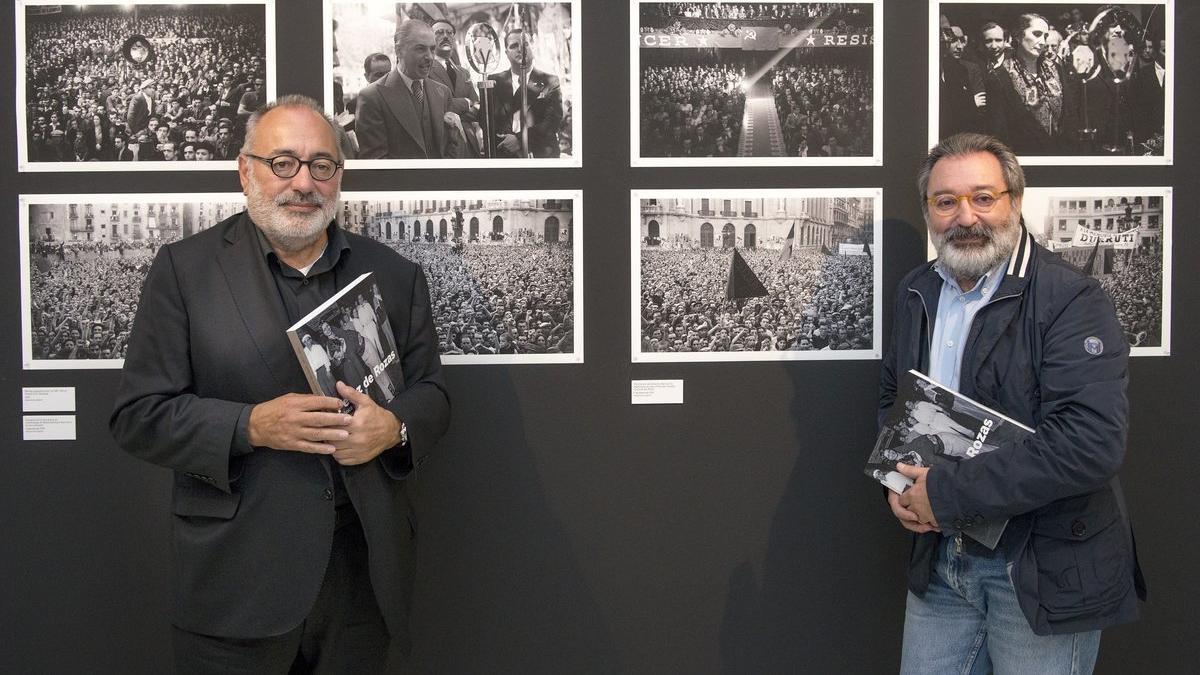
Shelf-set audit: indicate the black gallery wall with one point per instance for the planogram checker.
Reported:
(564, 530)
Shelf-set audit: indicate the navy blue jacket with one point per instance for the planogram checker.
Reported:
(1048, 351)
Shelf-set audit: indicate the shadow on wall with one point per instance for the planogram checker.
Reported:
(819, 607)
(498, 589)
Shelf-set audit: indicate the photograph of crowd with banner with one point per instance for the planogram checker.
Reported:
(139, 85)
(756, 275)
(1061, 83)
(502, 267)
(1122, 237)
(455, 82)
(752, 83)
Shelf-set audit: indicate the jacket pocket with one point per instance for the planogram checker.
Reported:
(205, 504)
(1082, 555)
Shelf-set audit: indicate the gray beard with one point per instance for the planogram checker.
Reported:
(975, 262)
(287, 231)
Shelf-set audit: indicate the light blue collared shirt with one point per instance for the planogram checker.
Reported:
(952, 325)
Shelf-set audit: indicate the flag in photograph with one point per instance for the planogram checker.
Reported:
(743, 283)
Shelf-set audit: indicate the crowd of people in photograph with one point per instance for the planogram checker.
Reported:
(829, 14)
(1088, 81)
(1136, 290)
(691, 110)
(83, 296)
(201, 74)
(814, 301)
(825, 109)
(506, 298)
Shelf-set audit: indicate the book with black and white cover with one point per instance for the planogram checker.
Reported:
(348, 338)
(930, 424)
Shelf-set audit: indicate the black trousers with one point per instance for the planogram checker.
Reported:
(343, 633)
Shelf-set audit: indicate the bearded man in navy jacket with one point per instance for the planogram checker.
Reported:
(1004, 321)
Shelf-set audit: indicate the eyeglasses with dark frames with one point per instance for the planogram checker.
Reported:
(287, 166)
(980, 200)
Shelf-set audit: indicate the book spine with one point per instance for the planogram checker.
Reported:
(294, 338)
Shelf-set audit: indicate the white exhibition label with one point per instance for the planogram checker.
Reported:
(49, 427)
(657, 391)
(47, 399)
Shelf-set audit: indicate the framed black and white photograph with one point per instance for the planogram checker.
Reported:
(1122, 237)
(756, 275)
(505, 268)
(756, 84)
(455, 84)
(83, 261)
(140, 86)
(1072, 83)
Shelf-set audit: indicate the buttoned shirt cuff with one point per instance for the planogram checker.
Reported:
(241, 434)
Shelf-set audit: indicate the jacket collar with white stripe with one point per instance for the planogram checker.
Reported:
(1016, 274)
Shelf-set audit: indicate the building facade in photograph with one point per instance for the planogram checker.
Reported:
(526, 221)
(114, 222)
(756, 222)
(1105, 215)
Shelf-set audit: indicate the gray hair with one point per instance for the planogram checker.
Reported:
(405, 31)
(967, 143)
(292, 101)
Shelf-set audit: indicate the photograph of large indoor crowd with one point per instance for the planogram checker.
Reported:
(1121, 236)
(501, 268)
(455, 82)
(1060, 83)
(137, 85)
(753, 83)
(756, 275)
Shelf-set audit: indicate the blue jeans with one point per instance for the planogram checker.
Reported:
(969, 623)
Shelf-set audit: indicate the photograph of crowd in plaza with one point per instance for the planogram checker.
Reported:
(1061, 83)
(756, 275)
(1122, 237)
(753, 83)
(502, 267)
(456, 82)
(83, 263)
(138, 85)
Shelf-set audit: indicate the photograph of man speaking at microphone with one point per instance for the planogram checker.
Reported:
(469, 81)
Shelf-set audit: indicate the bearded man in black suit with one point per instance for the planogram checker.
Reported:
(293, 532)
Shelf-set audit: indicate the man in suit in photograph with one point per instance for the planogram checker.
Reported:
(141, 107)
(540, 92)
(293, 533)
(403, 115)
(464, 99)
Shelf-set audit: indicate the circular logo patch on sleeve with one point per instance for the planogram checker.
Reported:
(1093, 345)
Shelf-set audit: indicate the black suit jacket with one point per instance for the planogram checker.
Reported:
(545, 114)
(463, 100)
(387, 124)
(252, 532)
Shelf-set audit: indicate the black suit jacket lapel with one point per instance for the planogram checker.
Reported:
(257, 299)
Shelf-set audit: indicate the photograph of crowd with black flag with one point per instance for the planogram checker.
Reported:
(139, 85)
(755, 275)
(349, 339)
(455, 82)
(1122, 237)
(503, 267)
(1060, 83)
(752, 83)
(930, 424)
(83, 261)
